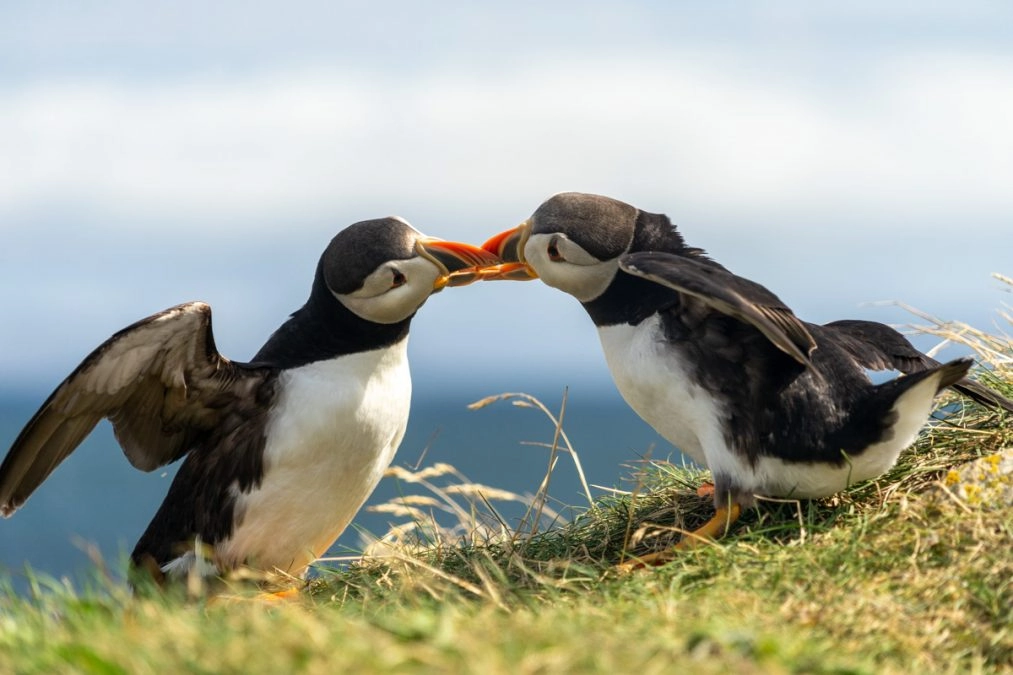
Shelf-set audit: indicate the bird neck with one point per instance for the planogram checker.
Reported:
(323, 329)
(629, 299)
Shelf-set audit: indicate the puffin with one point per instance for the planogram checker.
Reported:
(279, 453)
(721, 367)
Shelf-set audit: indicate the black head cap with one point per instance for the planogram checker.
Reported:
(601, 225)
(362, 247)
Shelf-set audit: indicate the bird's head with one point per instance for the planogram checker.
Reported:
(383, 270)
(573, 242)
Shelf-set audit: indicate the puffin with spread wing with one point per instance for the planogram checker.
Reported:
(279, 453)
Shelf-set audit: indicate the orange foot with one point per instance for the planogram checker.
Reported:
(275, 598)
(713, 529)
(278, 596)
(705, 490)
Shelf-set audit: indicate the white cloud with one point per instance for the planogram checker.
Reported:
(922, 134)
(861, 183)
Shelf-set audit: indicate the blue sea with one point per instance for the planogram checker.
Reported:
(95, 501)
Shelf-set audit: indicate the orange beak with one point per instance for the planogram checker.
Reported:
(509, 247)
(460, 264)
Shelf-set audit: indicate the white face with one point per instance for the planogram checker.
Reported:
(393, 291)
(563, 264)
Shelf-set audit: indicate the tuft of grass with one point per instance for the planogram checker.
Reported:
(908, 573)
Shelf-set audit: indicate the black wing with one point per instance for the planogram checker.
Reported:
(878, 347)
(734, 296)
(161, 382)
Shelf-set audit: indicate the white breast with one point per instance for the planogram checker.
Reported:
(653, 378)
(334, 430)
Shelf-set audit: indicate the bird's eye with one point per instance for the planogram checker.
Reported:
(553, 252)
(399, 279)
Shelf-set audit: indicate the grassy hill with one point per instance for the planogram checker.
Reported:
(909, 573)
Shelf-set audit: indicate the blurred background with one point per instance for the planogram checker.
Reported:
(845, 156)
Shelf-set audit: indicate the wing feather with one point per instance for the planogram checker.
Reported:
(727, 293)
(878, 347)
(159, 381)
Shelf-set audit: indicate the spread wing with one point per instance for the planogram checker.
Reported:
(878, 347)
(727, 293)
(162, 384)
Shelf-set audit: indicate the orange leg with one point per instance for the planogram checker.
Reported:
(714, 528)
(278, 596)
(270, 598)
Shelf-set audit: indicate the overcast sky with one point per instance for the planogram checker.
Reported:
(153, 153)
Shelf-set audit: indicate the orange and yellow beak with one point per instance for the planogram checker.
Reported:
(460, 264)
(509, 247)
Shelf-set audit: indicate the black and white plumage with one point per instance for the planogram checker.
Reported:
(719, 366)
(280, 452)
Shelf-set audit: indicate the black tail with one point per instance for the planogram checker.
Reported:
(954, 372)
(878, 346)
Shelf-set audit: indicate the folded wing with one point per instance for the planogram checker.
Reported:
(872, 345)
(727, 293)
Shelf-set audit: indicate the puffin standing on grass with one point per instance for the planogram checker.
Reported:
(719, 366)
(279, 452)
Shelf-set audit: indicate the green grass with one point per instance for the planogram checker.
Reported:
(909, 573)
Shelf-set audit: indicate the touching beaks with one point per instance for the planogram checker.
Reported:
(509, 247)
(460, 264)
(500, 258)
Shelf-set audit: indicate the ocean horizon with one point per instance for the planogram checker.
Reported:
(96, 504)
